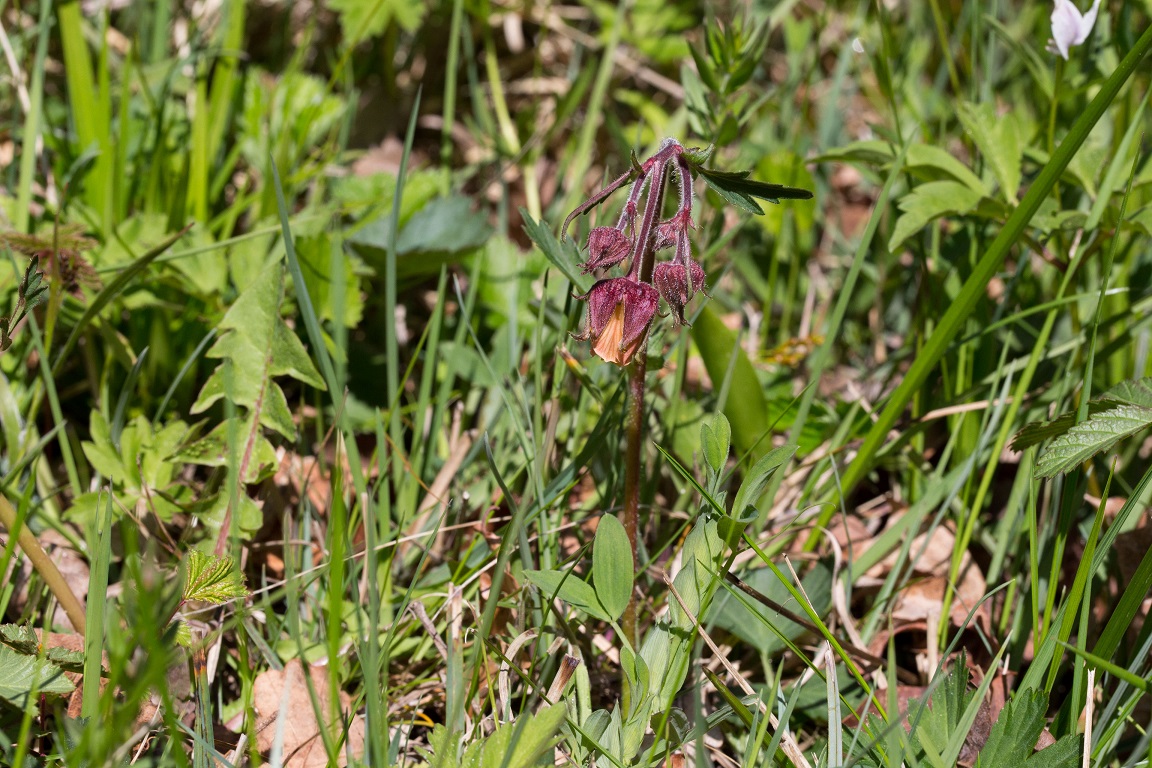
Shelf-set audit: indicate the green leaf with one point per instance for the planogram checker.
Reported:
(612, 566)
(998, 138)
(213, 450)
(444, 225)
(361, 19)
(33, 288)
(569, 588)
(316, 263)
(935, 722)
(740, 191)
(1132, 391)
(930, 201)
(564, 255)
(704, 69)
(101, 454)
(21, 637)
(697, 156)
(212, 579)
(757, 478)
(523, 743)
(1013, 735)
(21, 673)
(1091, 436)
(926, 159)
(67, 660)
(758, 624)
(1065, 753)
(256, 345)
(715, 441)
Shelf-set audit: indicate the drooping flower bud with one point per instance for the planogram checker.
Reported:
(620, 310)
(677, 283)
(607, 247)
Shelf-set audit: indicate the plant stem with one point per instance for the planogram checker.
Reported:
(44, 566)
(634, 432)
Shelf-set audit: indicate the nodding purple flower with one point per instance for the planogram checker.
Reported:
(620, 310)
(677, 283)
(607, 247)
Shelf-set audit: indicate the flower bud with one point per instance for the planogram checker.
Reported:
(677, 283)
(607, 247)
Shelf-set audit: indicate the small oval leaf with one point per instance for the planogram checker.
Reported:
(612, 566)
(568, 588)
(715, 440)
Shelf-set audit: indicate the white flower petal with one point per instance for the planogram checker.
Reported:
(1069, 26)
(1086, 24)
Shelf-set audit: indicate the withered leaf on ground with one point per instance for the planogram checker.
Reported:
(284, 694)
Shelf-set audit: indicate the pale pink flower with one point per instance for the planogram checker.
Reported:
(1070, 27)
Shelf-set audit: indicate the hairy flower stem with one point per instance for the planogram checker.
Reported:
(634, 436)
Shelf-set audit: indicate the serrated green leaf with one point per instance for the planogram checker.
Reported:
(183, 633)
(33, 288)
(1096, 434)
(67, 660)
(739, 190)
(211, 579)
(256, 345)
(213, 450)
(1013, 735)
(1132, 391)
(612, 568)
(998, 138)
(928, 202)
(21, 673)
(569, 588)
(1065, 753)
(21, 637)
(523, 742)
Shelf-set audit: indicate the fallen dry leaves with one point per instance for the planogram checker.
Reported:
(283, 704)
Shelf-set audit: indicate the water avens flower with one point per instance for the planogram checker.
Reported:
(1070, 27)
(677, 283)
(607, 247)
(620, 310)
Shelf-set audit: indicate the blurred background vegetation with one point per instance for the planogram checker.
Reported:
(384, 422)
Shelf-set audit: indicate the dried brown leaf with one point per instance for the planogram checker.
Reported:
(283, 695)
